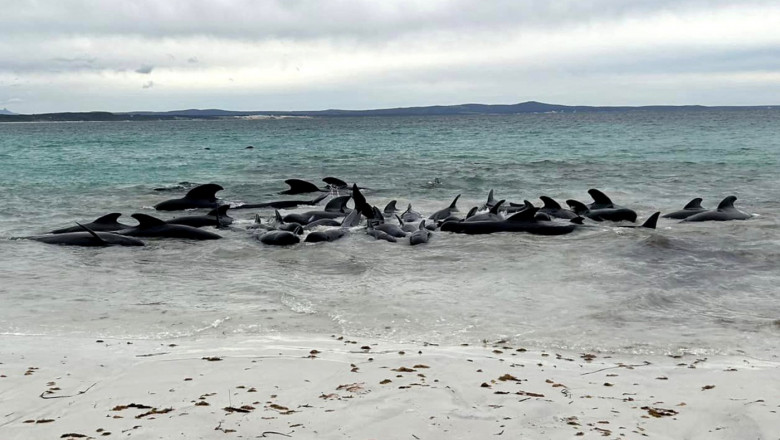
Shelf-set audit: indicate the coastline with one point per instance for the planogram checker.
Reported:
(308, 386)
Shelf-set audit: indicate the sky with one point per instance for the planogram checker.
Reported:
(89, 55)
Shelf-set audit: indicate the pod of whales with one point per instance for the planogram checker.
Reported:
(725, 211)
(337, 220)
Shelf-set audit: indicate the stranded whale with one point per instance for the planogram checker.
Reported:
(202, 196)
(693, 207)
(725, 211)
(107, 223)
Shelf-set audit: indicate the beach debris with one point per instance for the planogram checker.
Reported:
(659, 412)
(132, 405)
(707, 387)
(72, 435)
(404, 370)
(358, 387)
(507, 377)
(39, 421)
(385, 382)
(280, 408)
(212, 358)
(154, 411)
(244, 409)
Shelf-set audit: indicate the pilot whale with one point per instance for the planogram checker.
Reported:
(693, 207)
(87, 237)
(216, 217)
(523, 221)
(106, 223)
(149, 226)
(724, 212)
(601, 209)
(202, 196)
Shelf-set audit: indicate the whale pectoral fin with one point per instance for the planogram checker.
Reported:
(600, 198)
(145, 221)
(108, 218)
(360, 202)
(335, 182)
(651, 221)
(401, 222)
(578, 207)
(727, 203)
(318, 199)
(298, 186)
(94, 234)
(694, 204)
(495, 208)
(549, 203)
(472, 212)
(204, 192)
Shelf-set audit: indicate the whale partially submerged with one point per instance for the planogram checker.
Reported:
(601, 209)
(149, 226)
(692, 208)
(106, 223)
(216, 217)
(523, 221)
(724, 212)
(202, 196)
(87, 237)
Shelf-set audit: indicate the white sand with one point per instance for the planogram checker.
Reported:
(50, 387)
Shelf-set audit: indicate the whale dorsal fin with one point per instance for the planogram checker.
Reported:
(408, 208)
(146, 221)
(377, 214)
(351, 220)
(490, 201)
(600, 198)
(494, 209)
(694, 204)
(204, 192)
(300, 186)
(421, 226)
(651, 221)
(526, 215)
(550, 203)
(219, 212)
(578, 207)
(108, 218)
(471, 212)
(335, 182)
(454, 201)
(727, 203)
(94, 234)
(318, 199)
(278, 217)
(337, 204)
(258, 219)
(401, 222)
(390, 207)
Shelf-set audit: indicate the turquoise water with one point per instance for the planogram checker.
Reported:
(699, 287)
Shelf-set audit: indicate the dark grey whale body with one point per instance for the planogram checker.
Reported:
(523, 221)
(149, 226)
(202, 196)
(601, 209)
(279, 238)
(692, 208)
(421, 236)
(87, 237)
(282, 204)
(724, 212)
(553, 209)
(217, 217)
(106, 223)
(446, 212)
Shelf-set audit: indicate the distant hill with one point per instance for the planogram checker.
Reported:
(436, 110)
(5, 111)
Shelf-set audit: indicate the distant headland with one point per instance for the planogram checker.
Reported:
(435, 110)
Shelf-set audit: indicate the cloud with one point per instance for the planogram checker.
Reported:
(148, 85)
(351, 53)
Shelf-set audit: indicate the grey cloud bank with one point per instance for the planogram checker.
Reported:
(307, 55)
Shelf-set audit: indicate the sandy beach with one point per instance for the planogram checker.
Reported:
(336, 387)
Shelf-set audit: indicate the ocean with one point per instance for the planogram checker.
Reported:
(700, 288)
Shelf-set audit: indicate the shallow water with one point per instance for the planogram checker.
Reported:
(709, 287)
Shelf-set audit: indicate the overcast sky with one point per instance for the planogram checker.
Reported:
(81, 55)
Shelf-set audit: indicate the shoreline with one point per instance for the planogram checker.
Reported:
(308, 386)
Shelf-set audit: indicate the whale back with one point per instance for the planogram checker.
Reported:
(147, 221)
(335, 182)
